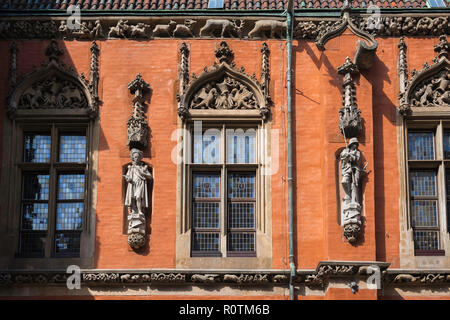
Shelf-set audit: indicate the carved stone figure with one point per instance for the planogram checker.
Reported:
(351, 172)
(225, 26)
(275, 27)
(226, 94)
(137, 198)
(119, 30)
(97, 31)
(139, 30)
(184, 30)
(52, 92)
(164, 30)
(433, 91)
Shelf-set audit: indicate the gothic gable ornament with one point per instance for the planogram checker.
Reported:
(365, 50)
(222, 86)
(56, 87)
(429, 87)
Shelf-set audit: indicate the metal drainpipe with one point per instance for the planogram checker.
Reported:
(289, 29)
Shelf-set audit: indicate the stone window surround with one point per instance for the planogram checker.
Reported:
(26, 120)
(263, 214)
(422, 118)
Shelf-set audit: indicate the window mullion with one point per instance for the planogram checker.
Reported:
(52, 193)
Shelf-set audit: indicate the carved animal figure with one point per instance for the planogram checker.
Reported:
(184, 30)
(164, 30)
(205, 99)
(226, 26)
(139, 30)
(275, 27)
(119, 30)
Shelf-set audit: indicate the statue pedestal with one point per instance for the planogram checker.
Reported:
(136, 230)
(351, 220)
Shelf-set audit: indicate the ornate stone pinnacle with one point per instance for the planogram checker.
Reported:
(53, 51)
(138, 87)
(348, 67)
(442, 47)
(224, 53)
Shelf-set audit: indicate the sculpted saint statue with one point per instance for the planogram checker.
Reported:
(137, 198)
(137, 176)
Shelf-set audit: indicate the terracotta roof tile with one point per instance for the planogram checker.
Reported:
(199, 4)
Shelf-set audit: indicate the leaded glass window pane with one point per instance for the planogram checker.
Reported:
(206, 241)
(37, 148)
(206, 185)
(32, 243)
(241, 242)
(241, 185)
(241, 146)
(72, 148)
(426, 240)
(241, 215)
(36, 186)
(71, 186)
(422, 183)
(206, 215)
(34, 216)
(67, 243)
(420, 145)
(207, 146)
(69, 216)
(424, 213)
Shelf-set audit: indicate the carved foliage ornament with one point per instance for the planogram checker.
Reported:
(54, 86)
(223, 87)
(429, 87)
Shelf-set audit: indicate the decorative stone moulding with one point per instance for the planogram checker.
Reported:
(429, 87)
(143, 28)
(350, 158)
(54, 86)
(366, 49)
(222, 86)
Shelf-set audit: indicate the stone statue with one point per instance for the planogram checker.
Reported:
(137, 198)
(351, 172)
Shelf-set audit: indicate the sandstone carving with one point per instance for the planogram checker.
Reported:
(184, 30)
(274, 27)
(164, 30)
(137, 124)
(137, 198)
(349, 114)
(222, 86)
(226, 27)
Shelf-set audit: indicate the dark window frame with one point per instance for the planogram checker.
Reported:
(54, 168)
(223, 168)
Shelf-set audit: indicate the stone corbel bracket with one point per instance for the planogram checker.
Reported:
(77, 92)
(429, 87)
(366, 49)
(223, 87)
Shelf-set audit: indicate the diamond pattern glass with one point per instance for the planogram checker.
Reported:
(424, 213)
(206, 215)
